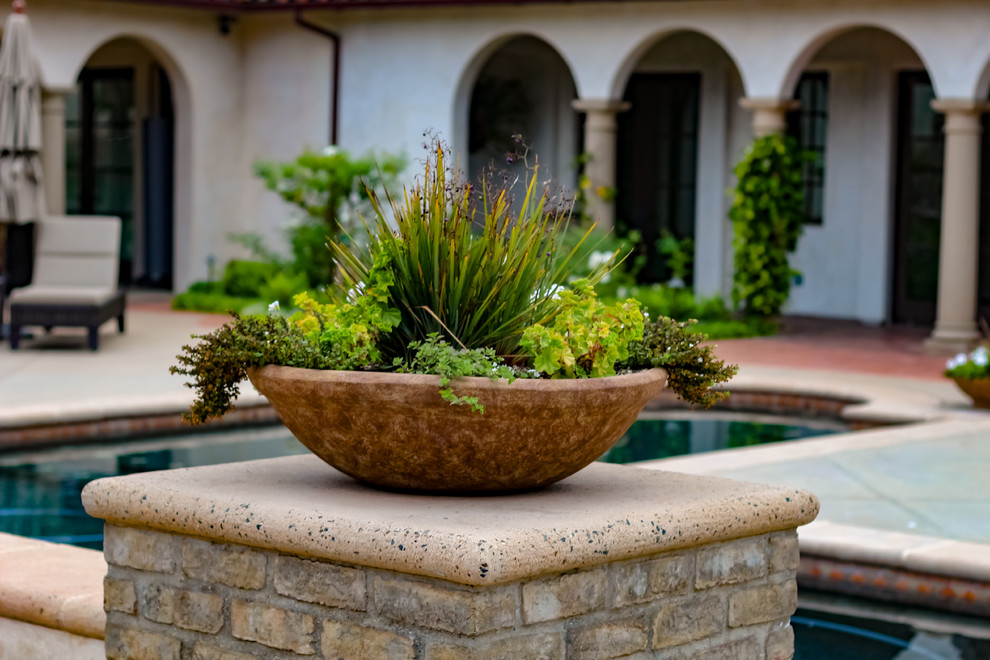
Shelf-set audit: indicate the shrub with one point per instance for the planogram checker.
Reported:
(768, 218)
(328, 187)
(217, 303)
(246, 278)
(692, 368)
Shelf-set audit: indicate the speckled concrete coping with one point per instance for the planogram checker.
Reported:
(52, 585)
(912, 552)
(301, 506)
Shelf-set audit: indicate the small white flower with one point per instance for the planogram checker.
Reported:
(331, 150)
(596, 259)
(981, 359)
(273, 308)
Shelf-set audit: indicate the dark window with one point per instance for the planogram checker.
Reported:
(809, 126)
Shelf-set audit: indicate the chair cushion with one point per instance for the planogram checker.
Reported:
(78, 251)
(62, 295)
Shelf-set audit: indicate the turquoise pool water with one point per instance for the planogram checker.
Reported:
(39, 491)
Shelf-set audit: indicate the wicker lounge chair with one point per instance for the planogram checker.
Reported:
(75, 278)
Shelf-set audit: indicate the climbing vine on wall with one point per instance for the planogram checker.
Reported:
(768, 217)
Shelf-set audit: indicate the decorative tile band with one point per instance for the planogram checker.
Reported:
(895, 585)
(126, 427)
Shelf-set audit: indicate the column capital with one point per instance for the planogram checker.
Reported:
(47, 91)
(769, 114)
(960, 106)
(770, 103)
(610, 106)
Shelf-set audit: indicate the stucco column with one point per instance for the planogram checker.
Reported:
(599, 144)
(53, 148)
(959, 247)
(769, 114)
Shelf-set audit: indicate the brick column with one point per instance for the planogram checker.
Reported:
(599, 145)
(769, 114)
(288, 555)
(959, 246)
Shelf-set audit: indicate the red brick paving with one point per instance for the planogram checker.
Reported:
(839, 346)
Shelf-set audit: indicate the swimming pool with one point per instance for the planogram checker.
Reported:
(40, 491)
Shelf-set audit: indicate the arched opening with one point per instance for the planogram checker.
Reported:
(120, 151)
(523, 89)
(675, 149)
(876, 180)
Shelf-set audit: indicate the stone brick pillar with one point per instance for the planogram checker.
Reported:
(959, 247)
(769, 114)
(599, 145)
(53, 148)
(287, 558)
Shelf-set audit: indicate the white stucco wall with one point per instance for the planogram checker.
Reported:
(264, 91)
(846, 261)
(286, 109)
(418, 57)
(261, 91)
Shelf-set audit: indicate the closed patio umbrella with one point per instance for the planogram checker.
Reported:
(21, 194)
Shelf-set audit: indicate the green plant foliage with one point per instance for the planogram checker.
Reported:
(436, 356)
(768, 218)
(592, 246)
(283, 286)
(453, 265)
(219, 361)
(217, 303)
(679, 254)
(322, 184)
(969, 366)
(693, 371)
(348, 332)
(244, 279)
(586, 337)
(464, 264)
(733, 328)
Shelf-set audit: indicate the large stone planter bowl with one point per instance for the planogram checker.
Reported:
(978, 390)
(394, 431)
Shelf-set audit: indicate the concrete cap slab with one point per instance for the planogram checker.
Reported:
(924, 554)
(299, 505)
(53, 585)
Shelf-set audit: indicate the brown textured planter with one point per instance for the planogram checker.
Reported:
(394, 430)
(978, 390)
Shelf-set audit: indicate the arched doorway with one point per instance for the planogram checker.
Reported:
(875, 194)
(524, 89)
(120, 154)
(672, 168)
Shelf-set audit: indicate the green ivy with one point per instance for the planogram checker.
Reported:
(435, 356)
(768, 217)
(586, 338)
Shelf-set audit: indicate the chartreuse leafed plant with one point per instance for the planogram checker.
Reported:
(586, 337)
(454, 282)
(767, 217)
